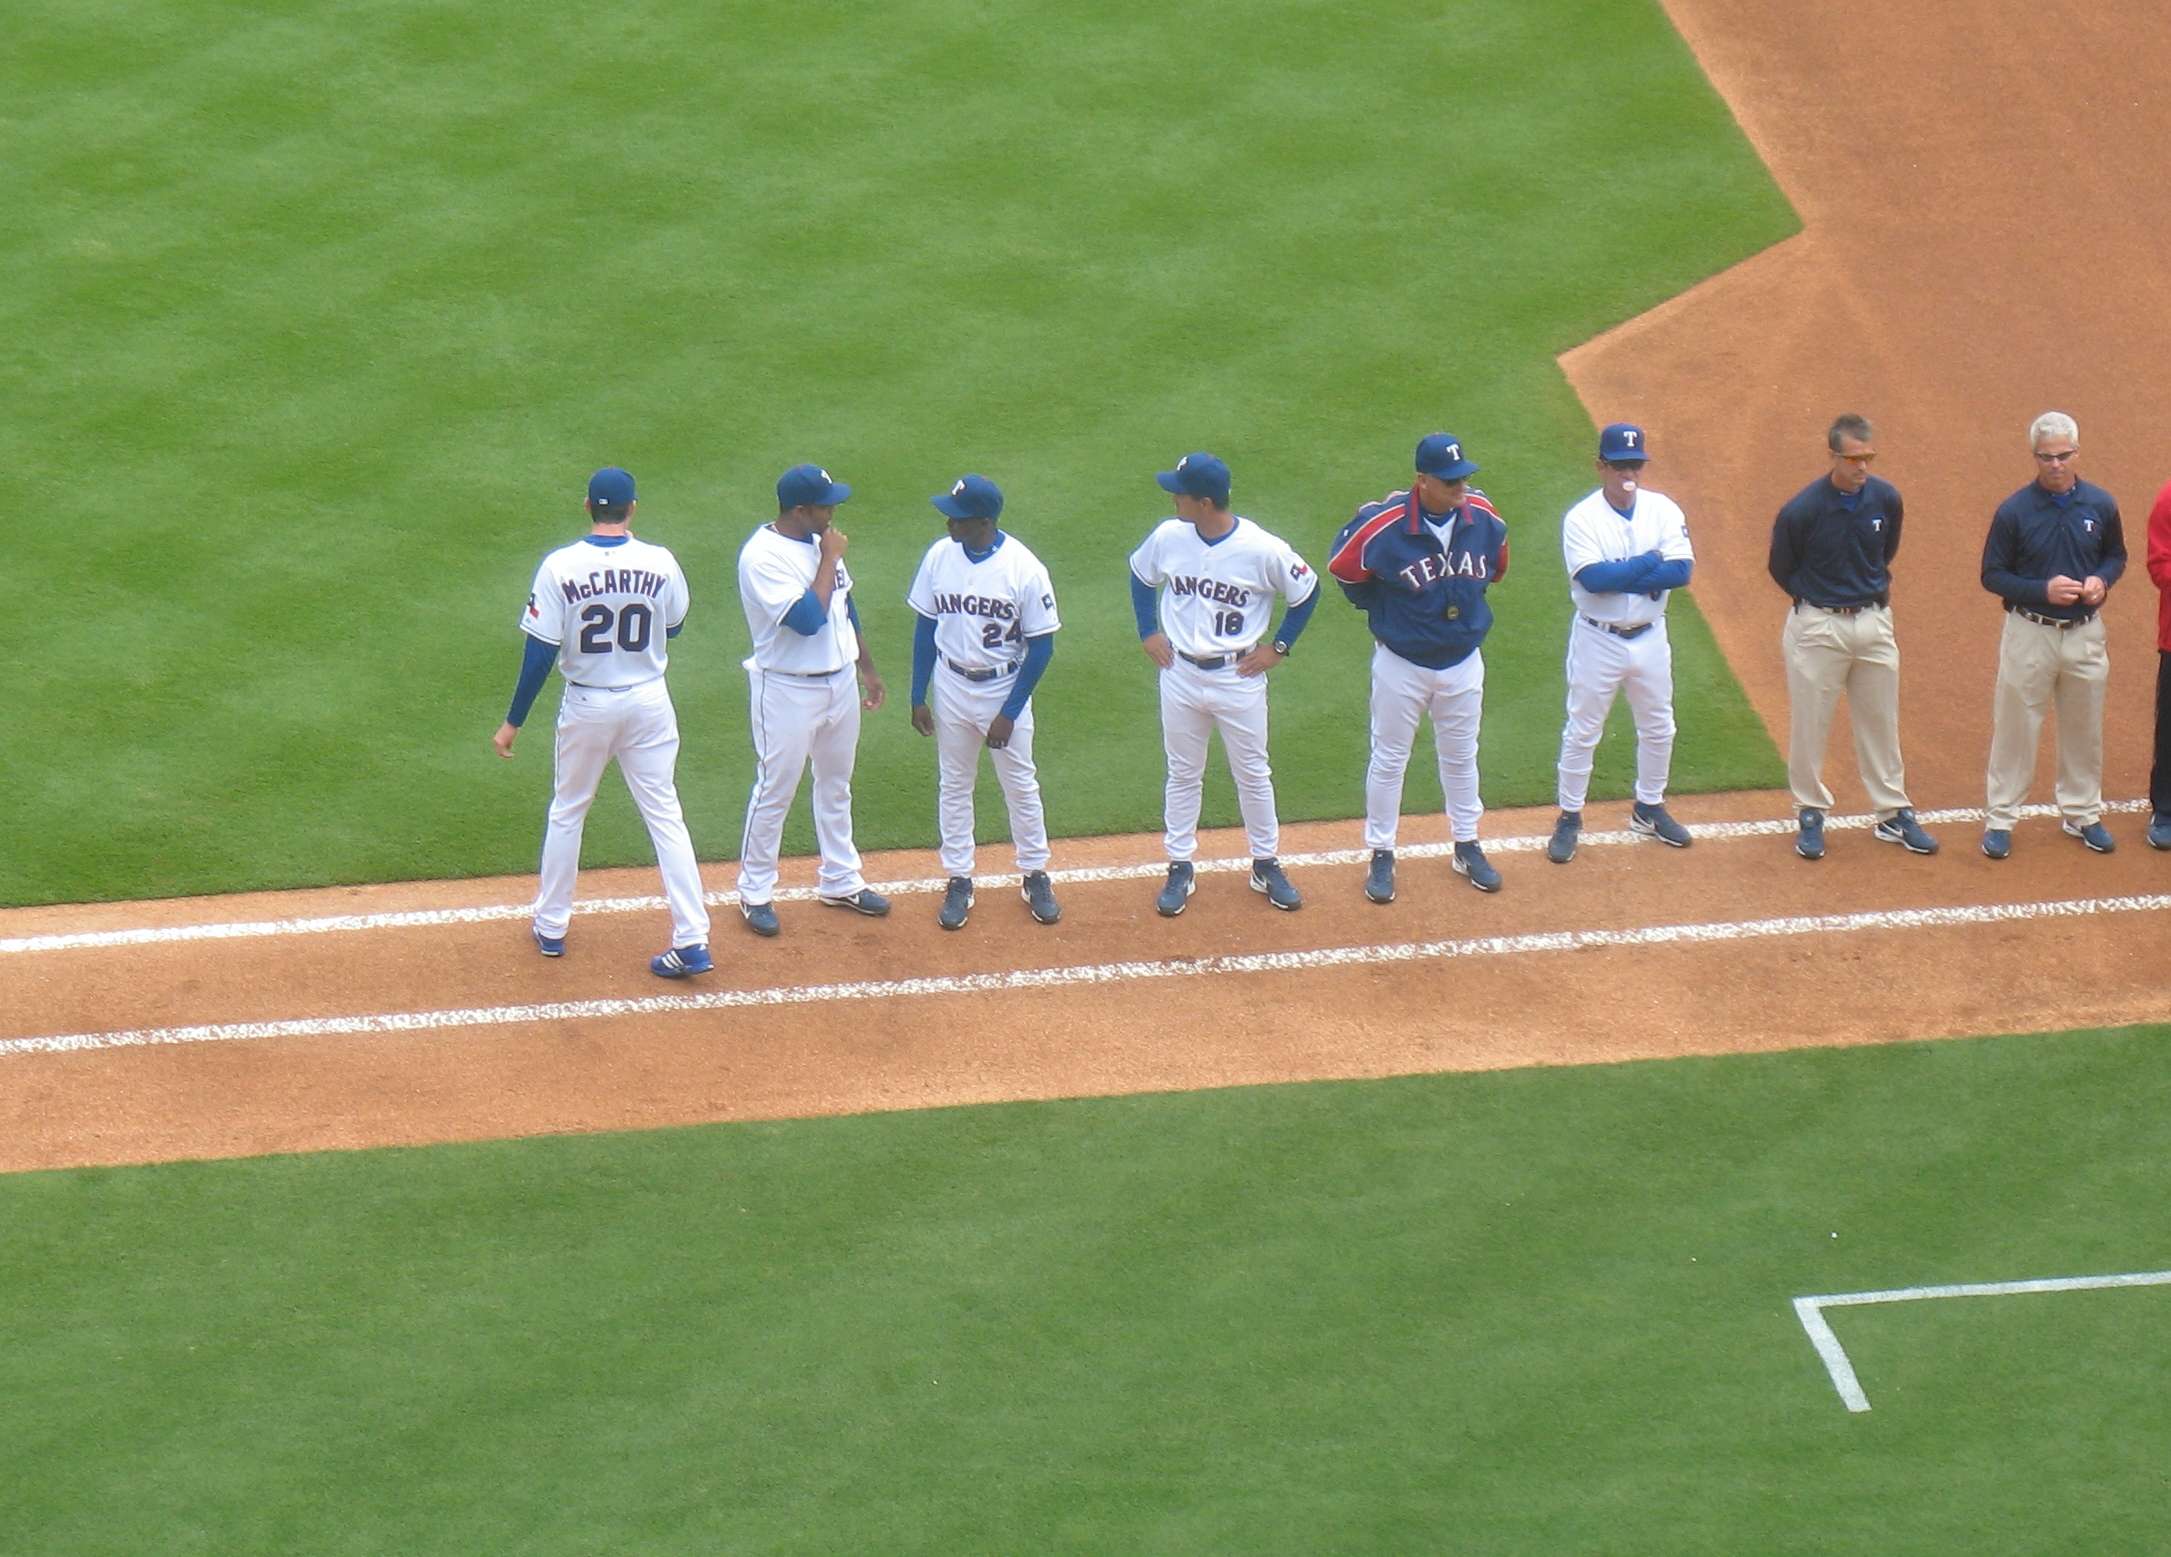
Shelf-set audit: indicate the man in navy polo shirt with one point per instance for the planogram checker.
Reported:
(2055, 549)
(1831, 550)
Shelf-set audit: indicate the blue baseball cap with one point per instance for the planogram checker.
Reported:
(809, 486)
(1198, 475)
(1441, 455)
(610, 487)
(970, 497)
(1621, 441)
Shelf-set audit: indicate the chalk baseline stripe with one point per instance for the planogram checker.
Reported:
(425, 918)
(1093, 974)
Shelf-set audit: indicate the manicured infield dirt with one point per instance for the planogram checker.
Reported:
(1959, 271)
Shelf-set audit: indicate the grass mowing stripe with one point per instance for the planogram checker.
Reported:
(341, 304)
(1093, 974)
(1541, 1310)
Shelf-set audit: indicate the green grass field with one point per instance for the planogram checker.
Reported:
(1533, 1311)
(323, 315)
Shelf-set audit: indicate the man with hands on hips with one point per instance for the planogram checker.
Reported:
(1203, 586)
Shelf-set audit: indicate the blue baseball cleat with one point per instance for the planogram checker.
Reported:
(681, 962)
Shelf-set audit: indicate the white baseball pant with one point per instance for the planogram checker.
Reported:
(637, 726)
(1194, 704)
(963, 711)
(798, 720)
(1402, 694)
(1601, 664)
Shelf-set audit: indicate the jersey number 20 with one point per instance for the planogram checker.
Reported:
(633, 627)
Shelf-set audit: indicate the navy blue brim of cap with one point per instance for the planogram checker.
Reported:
(1455, 472)
(1168, 481)
(952, 508)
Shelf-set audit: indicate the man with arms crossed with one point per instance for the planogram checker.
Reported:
(803, 706)
(1831, 550)
(1203, 587)
(1626, 547)
(602, 610)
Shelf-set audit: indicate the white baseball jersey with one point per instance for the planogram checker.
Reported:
(984, 611)
(1594, 531)
(1219, 598)
(774, 572)
(608, 606)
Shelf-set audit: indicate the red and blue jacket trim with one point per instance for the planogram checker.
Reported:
(1423, 596)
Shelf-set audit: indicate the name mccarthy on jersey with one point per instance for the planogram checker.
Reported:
(613, 581)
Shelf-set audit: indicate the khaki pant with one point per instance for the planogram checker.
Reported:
(1828, 653)
(2039, 667)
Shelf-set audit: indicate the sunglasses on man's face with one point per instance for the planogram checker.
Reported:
(2055, 456)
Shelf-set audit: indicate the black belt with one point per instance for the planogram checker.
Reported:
(995, 674)
(2059, 622)
(1845, 610)
(802, 675)
(1212, 661)
(1620, 632)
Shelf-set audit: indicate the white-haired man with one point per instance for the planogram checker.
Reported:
(2055, 549)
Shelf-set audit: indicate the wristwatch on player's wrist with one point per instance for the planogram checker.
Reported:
(1281, 648)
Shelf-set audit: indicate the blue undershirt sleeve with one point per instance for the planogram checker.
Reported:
(806, 617)
(1668, 575)
(1616, 578)
(535, 665)
(923, 658)
(1146, 606)
(1038, 651)
(851, 612)
(1294, 618)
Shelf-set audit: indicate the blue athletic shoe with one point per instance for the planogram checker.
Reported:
(681, 962)
(1267, 878)
(1654, 822)
(1470, 861)
(2095, 835)
(2159, 831)
(1176, 891)
(1809, 843)
(1998, 842)
(549, 945)
(1902, 828)
(760, 918)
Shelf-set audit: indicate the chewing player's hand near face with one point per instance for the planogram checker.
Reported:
(1157, 649)
(1259, 661)
(923, 719)
(503, 740)
(2062, 590)
(999, 730)
(832, 542)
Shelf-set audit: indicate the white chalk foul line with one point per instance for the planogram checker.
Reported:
(1810, 1310)
(1094, 973)
(424, 918)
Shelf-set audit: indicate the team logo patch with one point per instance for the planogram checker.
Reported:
(959, 489)
(533, 609)
(1299, 571)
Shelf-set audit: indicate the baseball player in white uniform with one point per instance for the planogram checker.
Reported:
(1627, 548)
(985, 631)
(1202, 587)
(803, 704)
(602, 610)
